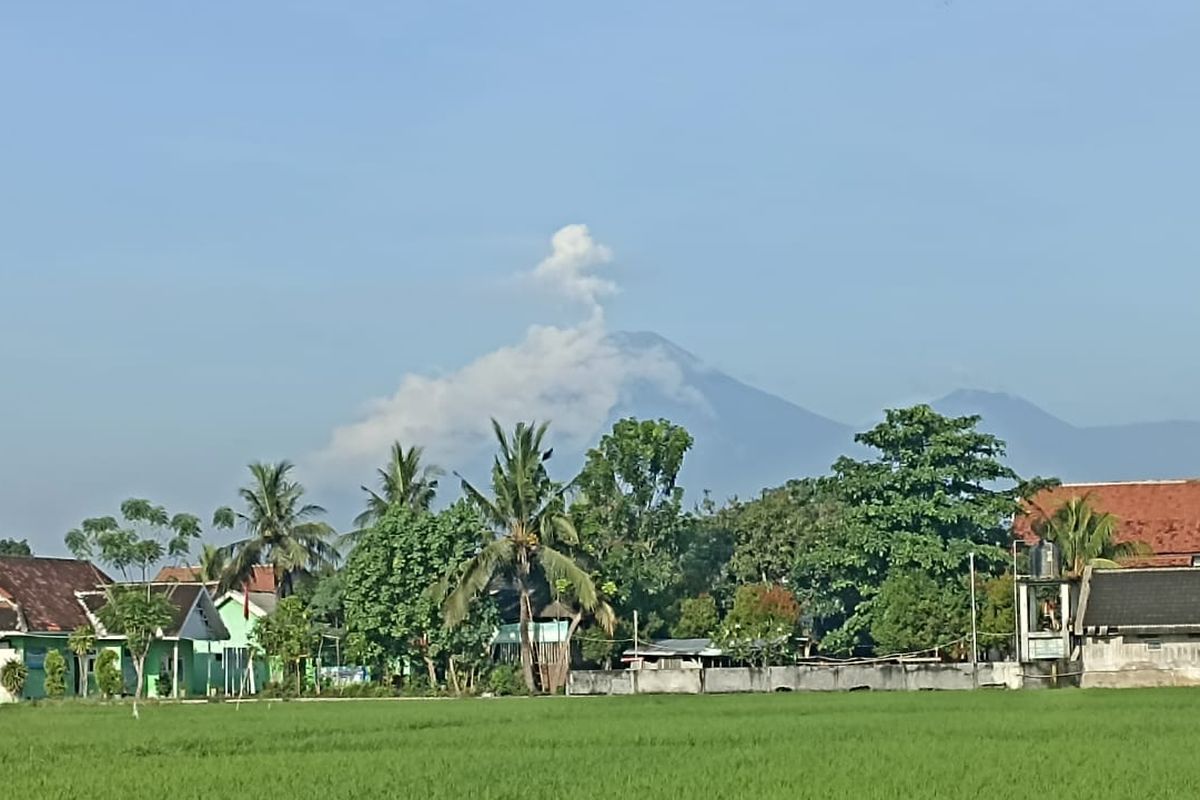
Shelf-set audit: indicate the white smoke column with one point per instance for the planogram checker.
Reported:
(568, 267)
(572, 377)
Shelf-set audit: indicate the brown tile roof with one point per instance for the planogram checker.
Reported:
(262, 580)
(44, 590)
(1165, 515)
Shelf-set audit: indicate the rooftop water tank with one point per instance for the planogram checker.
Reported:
(1045, 561)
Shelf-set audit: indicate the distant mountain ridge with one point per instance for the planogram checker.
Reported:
(748, 439)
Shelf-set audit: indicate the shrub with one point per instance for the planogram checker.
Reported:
(56, 674)
(13, 676)
(163, 682)
(506, 680)
(108, 674)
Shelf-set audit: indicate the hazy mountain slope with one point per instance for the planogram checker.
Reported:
(1039, 443)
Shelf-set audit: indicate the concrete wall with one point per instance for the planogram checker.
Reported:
(1128, 661)
(803, 678)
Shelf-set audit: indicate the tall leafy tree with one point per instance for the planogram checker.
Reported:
(405, 481)
(527, 512)
(1086, 536)
(139, 614)
(772, 530)
(145, 535)
(282, 530)
(630, 519)
(936, 490)
(388, 603)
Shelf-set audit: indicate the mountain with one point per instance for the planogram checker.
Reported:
(1042, 444)
(748, 439)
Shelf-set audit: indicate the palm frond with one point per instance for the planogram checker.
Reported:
(559, 567)
(473, 578)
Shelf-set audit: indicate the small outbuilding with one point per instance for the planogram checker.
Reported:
(674, 654)
(1140, 627)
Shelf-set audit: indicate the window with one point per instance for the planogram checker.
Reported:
(1154, 644)
(1196, 561)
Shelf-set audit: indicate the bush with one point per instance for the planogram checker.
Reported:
(56, 674)
(163, 682)
(13, 676)
(109, 680)
(506, 680)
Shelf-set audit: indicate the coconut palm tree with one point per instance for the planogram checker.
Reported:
(403, 482)
(281, 530)
(1086, 536)
(212, 563)
(528, 514)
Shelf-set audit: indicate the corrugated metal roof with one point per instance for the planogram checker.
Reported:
(1132, 599)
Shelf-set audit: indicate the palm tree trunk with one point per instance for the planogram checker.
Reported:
(526, 618)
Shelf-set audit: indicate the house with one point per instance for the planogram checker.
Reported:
(39, 609)
(42, 600)
(226, 664)
(1140, 627)
(1164, 515)
(674, 654)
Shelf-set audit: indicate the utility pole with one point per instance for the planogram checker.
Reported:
(974, 630)
(635, 639)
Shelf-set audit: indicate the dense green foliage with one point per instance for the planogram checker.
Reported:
(936, 490)
(55, 668)
(916, 612)
(628, 512)
(15, 547)
(109, 680)
(760, 629)
(13, 676)
(698, 618)
(840, 747)
(286, 635)
(390, 608)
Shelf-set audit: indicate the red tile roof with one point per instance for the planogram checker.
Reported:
(263, 579)
(1165, 515)
(44, 590)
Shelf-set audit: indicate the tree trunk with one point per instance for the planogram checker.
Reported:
(139, 668)
(452, 675)
(431, 668)
(83, 675)
(526, 618)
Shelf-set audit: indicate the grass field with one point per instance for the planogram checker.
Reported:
(1134, 744)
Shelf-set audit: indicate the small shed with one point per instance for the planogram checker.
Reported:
(1140, 627)
(674, 654)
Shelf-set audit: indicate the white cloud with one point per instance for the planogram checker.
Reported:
(572, 377)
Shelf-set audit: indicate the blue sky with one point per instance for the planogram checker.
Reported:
(226, 228)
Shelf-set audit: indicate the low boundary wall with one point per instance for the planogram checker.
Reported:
(801, 678)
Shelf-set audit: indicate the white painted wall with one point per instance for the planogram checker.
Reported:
(1129, 661)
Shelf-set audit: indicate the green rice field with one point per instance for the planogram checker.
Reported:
(1068, 743)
